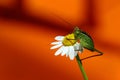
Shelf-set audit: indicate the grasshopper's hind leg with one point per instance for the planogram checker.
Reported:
(99, 54)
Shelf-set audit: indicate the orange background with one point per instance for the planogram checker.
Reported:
(27, 27)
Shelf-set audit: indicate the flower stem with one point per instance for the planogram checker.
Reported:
(81, 67)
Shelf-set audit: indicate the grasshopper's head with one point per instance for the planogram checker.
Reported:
(76, 31)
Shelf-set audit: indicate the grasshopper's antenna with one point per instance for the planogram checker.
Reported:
(62, 19)
(100, 53)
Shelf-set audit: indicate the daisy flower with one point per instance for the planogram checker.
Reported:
(67, 45)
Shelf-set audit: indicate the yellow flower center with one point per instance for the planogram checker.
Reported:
(69, 40)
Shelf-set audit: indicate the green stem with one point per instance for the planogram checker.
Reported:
(81, 67)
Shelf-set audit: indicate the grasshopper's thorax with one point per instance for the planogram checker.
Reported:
(69, 40)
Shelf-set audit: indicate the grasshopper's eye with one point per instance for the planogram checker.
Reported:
(77, 32)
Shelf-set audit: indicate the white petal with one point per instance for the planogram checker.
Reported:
(65, 51)
(56, 46)
(71, 53)
(68, 48)
(55, 43)
(59, 38)
(59, 51)
(77, 46)
(75, 53)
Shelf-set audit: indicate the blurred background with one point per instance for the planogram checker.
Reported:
(27, 27)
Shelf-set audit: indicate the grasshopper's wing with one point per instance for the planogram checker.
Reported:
(86, 41)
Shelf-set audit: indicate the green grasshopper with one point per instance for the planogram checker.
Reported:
(85, 40)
